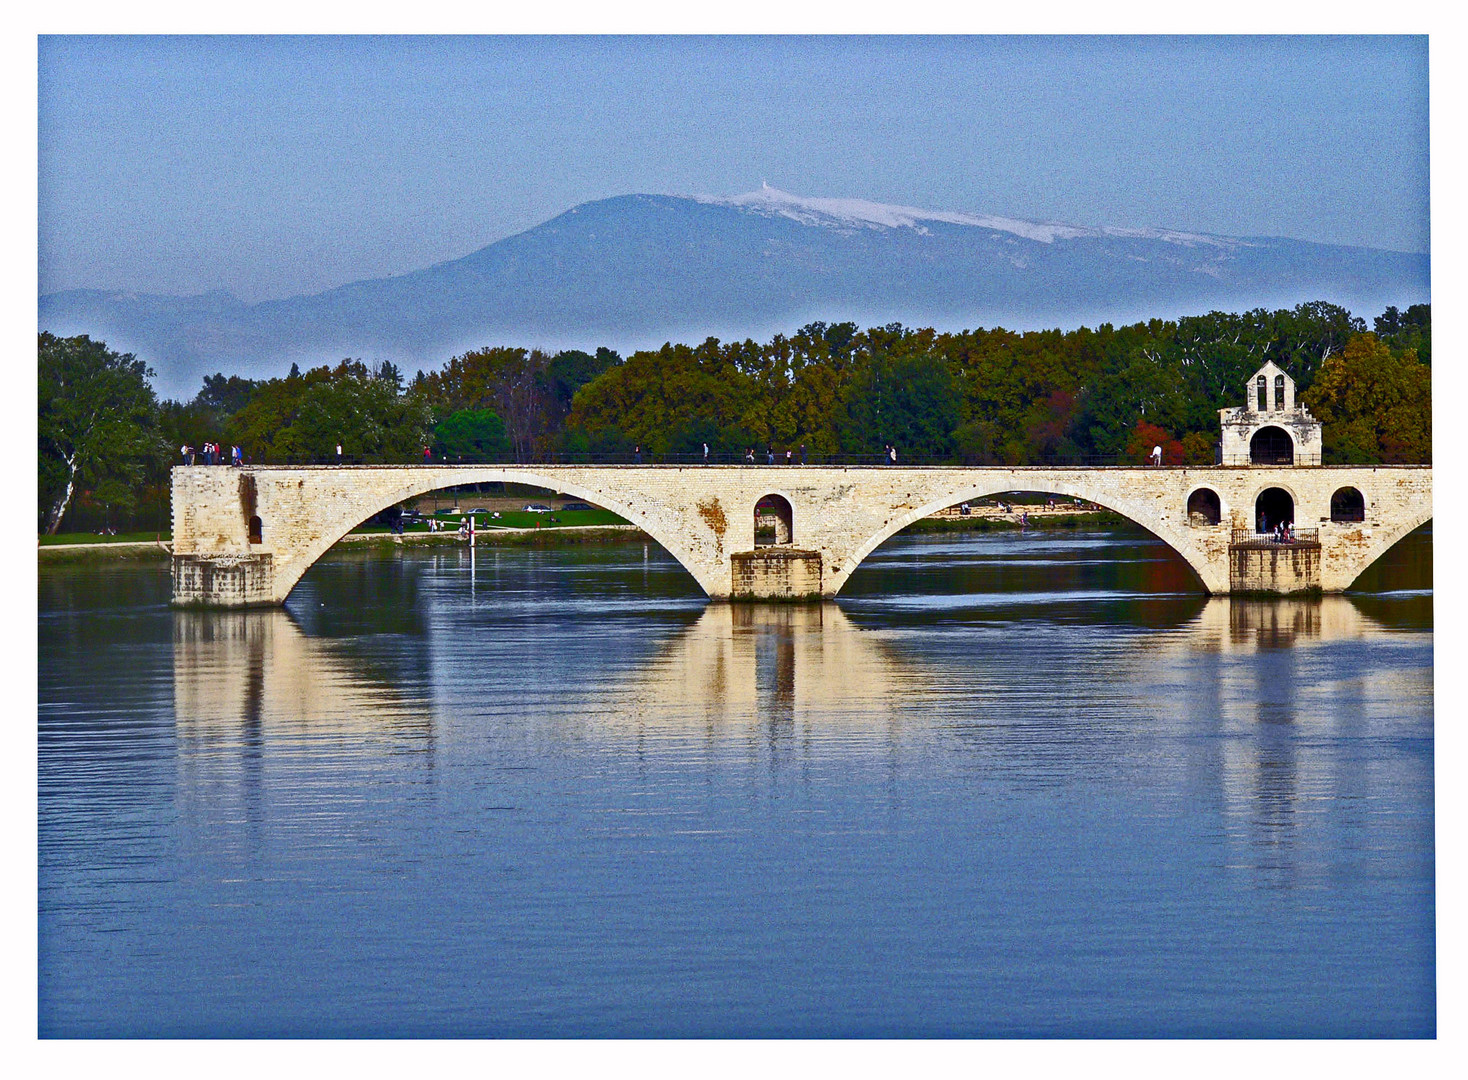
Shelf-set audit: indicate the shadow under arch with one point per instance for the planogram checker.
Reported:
(1403, 565)
(1177, 545)
(289, 573)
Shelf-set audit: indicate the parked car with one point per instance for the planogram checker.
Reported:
(578, 506)
(479, 510)
(537, 508)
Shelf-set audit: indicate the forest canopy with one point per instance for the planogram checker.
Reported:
(987, 396)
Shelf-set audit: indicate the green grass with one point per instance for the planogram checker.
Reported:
(93, 538)
(513, 519)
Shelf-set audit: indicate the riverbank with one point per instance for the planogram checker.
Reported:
(1038, 519)
(64, 550)
(105, 548)
(545, 537)
(110, 548)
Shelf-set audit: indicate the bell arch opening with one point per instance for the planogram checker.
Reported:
(1274, 507)
(1271, 446)
(1347, 504)
(1204, 507)
(774, 521)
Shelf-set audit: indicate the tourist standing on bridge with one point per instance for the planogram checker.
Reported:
(427, 455)
(637, 454)
(892, 455)
(338, 453)
(769, 455)
(1157, 457)
(787, 456)
(705, 453)
(802, 453)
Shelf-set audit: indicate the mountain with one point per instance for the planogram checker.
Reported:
(637, 270)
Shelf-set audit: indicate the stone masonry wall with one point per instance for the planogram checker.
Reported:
(703, 515)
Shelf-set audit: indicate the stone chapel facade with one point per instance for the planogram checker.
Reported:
(1270, 428)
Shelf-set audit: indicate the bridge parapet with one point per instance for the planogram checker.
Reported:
(245, 536)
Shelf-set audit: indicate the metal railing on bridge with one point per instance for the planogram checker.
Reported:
(761, 460)
(1274, 539)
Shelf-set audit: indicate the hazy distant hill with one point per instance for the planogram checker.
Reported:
(638, 270)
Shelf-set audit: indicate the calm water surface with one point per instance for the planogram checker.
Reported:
(1007, 785)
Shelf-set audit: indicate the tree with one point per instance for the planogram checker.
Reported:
(476, 434)
(1145, 436)
(1376, 407)
(97, 420)
(305, 416)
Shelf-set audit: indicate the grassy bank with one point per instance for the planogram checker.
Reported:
(136, 551)
(549, 537)
(997, 524)
(94, 538)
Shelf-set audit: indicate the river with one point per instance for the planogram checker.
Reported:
(1008, 785)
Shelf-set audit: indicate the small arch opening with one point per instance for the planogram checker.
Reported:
(1274, 507)
(1271, 446)
(1347, 504)
(1279, 393)
(774, 521)
(257, 530)
(1204, 507)
(1263, 393)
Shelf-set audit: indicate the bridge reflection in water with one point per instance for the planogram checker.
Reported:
(1297, 735)
(1233, 708)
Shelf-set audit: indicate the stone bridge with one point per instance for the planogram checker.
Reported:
(245, 536)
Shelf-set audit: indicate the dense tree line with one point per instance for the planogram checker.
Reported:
(982, 396)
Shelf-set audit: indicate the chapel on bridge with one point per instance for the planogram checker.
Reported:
(1270, 428)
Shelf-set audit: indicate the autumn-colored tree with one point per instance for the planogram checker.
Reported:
(1375, 407)
(1145, 436)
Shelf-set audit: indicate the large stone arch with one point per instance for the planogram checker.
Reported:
(1368, 549)
(292, 562)
(1211, 571)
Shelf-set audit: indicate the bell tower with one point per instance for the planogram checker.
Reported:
(1270, 428)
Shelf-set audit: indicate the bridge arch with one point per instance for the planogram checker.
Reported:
(1381, 541)
(1272, 445)
(293, 566)
(1181, 538)
(1347, 504)
(776, 504)
(1204, 506)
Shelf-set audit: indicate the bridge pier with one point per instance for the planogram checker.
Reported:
(775, 573)
(226, 580)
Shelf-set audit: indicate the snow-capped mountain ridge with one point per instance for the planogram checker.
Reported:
(862, 213)
(635, 271)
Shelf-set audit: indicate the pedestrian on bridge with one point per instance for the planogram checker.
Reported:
(705, 453)
(769, 455)
(637, 454)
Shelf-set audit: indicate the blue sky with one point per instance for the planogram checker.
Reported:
(276, 166)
